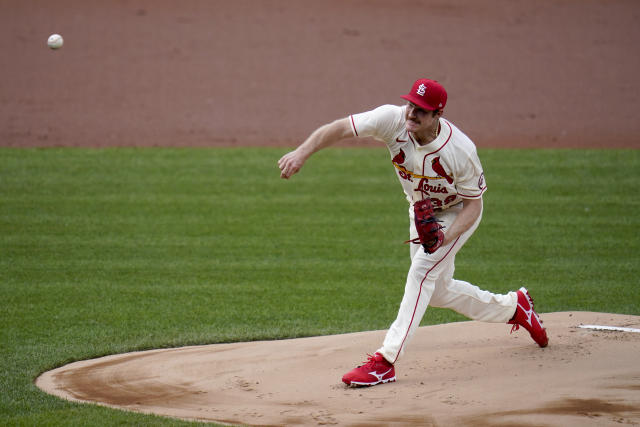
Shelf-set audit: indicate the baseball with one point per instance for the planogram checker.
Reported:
(55, 41)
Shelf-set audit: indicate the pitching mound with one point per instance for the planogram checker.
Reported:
(467, 373)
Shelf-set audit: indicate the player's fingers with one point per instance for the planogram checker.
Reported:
(288, 165)
(283, 165)
(284, 159)
(285, 170)
(294, 169)
(288, 171)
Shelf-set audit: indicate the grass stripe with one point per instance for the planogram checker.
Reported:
(112, 250)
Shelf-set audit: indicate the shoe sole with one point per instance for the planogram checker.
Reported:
(361, 384)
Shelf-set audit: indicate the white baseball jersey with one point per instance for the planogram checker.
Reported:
(446, 170)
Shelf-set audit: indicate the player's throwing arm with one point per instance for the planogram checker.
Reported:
(322, 137)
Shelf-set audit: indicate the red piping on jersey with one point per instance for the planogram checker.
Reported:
(482, 190)
(353, 125)
(441, 147)
(464, 196)
(418, 299)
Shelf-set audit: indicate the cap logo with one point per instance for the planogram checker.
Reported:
(421, 89)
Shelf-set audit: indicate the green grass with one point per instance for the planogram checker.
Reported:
(113, 250)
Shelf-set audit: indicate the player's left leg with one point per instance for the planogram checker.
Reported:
(473, 302)
(469, 300)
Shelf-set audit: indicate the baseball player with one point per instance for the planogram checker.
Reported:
(442, 178)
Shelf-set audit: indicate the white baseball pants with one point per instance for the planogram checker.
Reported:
(430, 282)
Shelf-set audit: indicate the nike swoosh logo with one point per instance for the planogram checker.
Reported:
(401, 140)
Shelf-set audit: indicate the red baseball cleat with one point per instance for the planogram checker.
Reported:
(525, 316)
(375, 371)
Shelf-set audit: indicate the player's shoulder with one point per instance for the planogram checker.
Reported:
(460, 142)
(382, 123)
(386, 116)
(384, 113)
(389, 111)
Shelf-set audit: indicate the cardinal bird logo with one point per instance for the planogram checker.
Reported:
(437, 168)
(399, 158)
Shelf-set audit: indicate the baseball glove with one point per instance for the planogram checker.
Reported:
(430, 234)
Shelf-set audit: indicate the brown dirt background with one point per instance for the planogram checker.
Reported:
(245, 72)
(548, 73)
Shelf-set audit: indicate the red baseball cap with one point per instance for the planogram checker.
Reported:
(427, 94)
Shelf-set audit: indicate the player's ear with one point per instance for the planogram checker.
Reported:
(437, 113)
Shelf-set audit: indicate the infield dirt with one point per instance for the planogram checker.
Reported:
(464, 374)
(520, 74)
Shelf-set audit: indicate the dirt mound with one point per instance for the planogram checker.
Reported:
(467, 373)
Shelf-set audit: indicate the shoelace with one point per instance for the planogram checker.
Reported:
(515, 326)
(371, 361)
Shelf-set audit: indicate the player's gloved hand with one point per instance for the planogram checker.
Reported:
(430, 234)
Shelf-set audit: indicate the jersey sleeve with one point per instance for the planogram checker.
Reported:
(470, 182)
(381, 123)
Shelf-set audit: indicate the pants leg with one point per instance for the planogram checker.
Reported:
(418, 290)
(474, 303)
(430, 282)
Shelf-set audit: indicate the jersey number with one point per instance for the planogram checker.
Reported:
(437, 203)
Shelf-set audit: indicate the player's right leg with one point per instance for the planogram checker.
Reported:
(418, 290)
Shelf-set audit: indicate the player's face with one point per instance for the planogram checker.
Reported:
(419, 120)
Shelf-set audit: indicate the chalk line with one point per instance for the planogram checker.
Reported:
(610, 328)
